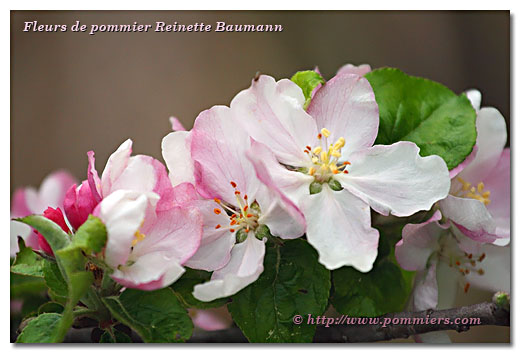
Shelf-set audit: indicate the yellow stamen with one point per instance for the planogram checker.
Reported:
(325, 132)
(138, 237)
(317, 150)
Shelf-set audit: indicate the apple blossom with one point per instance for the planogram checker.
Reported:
(479, 200)
(147, 247)
(237, 208)
(324, 161)
(122, 172)
(473, 218)
(27, 201)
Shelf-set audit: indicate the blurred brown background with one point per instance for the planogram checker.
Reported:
(72, 92)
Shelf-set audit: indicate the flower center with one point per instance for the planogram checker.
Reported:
(243, 219)
(470, 191)
(462, 262)
(325, 163)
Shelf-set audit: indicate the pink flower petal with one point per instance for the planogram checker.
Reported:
(418, 243)
(471, 217)
(93, 178)
(360, 70)
(347, 107)
(212, 319)
(499, 184)
(177, 231)
(176, 124)
(218, 148)
(280, 214)
(272, 113)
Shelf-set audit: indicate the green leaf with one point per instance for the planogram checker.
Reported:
(293, 283)
(52, 232)
(54, 279)
(424, 112)
(50, 307)
(116, 337)
(183, 288)
(91, 236)
(308, 81)
(382, 290)
(42, 329)
(22, 286)
(156, 316)
(27, 262)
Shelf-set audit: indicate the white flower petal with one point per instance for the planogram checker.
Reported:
(475, 97)
(396, 179)
(338, 227)
(346, 106)
(491, 139)
(122, 212)
(116, 164)
(472, 215)
(244, 268)
(176, 154)
(497, 269)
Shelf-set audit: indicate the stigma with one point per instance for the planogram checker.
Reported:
(469, 191)
(325, 157)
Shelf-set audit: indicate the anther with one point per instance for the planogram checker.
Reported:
(233, 184)
(325, 132)
(217, 211)
(216, 200)
(466, 288)
(217, 226)
(482, 257)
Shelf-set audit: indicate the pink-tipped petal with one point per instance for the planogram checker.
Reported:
(176, 124)
(218, 148)
(93, 179)
(272, 113)
(360, 70)
(280, 214)
(471, 217)
(418, 243)
(347, 107)
(177, 231)
(292, 184)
